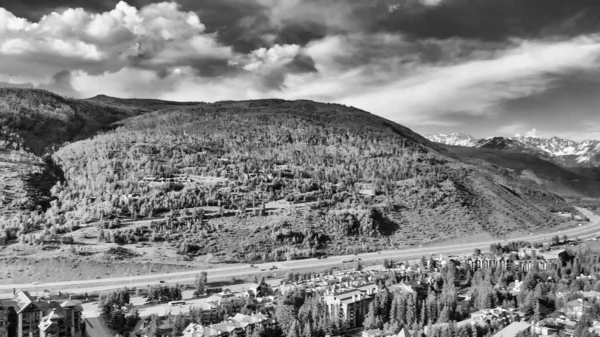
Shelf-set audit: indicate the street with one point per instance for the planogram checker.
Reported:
(588, 230)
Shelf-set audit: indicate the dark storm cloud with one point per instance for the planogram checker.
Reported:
(244, 24)
(274, 79)
(490, 20)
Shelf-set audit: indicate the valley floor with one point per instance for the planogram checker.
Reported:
(42, 270)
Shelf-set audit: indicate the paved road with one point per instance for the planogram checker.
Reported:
(95, 327)
(589, 229)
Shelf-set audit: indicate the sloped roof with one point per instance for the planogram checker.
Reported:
(403, 333)
(513, 329)
(70, 303)
(47, 325)
(23, 300)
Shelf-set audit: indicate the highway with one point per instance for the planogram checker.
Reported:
(587, 230)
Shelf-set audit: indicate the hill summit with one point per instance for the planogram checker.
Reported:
(288, 177)
(278, 178)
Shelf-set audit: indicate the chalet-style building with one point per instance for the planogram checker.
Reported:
(23, 316)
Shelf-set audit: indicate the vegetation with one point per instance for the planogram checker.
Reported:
(265, 180)
(114, 308)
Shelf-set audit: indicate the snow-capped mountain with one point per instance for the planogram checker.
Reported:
(510, 144)
(564, 151)
(562, 147)
(454, 139)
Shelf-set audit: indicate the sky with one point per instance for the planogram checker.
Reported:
(480, 67)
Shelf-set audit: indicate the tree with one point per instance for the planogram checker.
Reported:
(294, 330)
(200, 284)
(370, 321)
(285, 315)
(444, 316)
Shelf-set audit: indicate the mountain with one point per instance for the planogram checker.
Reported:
(454, 139)
(568, 152)
(34, 123)
(510, 145)
(546, 173)
(260, 180)
(565, 152)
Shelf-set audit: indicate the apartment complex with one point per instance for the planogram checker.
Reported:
(351, 305)
(23, 316)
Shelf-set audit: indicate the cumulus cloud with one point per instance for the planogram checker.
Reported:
(376, 55)
(157, 36)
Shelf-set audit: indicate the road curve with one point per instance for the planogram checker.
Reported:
(588, 230)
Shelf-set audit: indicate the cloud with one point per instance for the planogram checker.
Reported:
(418, 64)
(531, 133)
(411, 86)
(60, 83)
(158, 36)
(516, 130)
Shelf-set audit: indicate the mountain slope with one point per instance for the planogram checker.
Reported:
(288, 177)
(549, 175)
(510, 145)
(33, 123)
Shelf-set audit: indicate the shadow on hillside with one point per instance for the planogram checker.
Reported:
(41, 183)
(387, 226)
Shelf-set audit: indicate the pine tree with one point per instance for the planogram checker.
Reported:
(444, 316)
(294, 330)
(370, 321)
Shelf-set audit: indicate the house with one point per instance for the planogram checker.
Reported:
(251, 320)
(191, 329)
(479, 316)
(221, 298)
(539, 329)
(574, 309)
(513, 329)
(259, 290)
(235, 325)
(400, 287)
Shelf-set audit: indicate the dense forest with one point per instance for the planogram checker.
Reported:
(283, 180)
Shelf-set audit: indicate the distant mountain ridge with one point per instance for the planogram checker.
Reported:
(562, 151)
(454, 139)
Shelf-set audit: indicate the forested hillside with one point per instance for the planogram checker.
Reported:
(33, 123)
(282, 179)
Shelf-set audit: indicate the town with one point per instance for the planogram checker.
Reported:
(516, 289)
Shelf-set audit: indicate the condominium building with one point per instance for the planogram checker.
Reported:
(351, 305)
(23, 316)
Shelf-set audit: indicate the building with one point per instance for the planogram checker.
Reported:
(513, 329)
(235, 325)
(351, 305)
(540, 329)
(221, 298)
(23, 316)
(4, 321)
